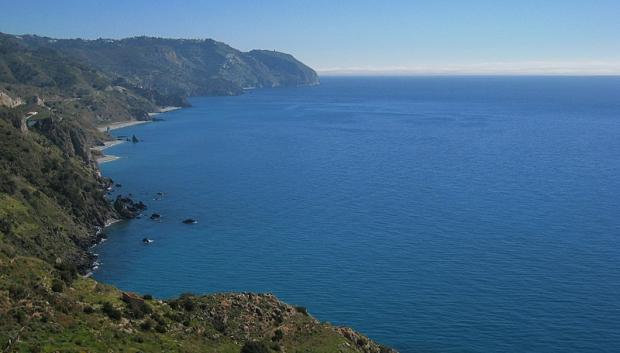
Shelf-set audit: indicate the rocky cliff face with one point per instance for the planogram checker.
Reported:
(8, 101)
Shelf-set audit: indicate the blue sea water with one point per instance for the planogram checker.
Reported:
(438, 214)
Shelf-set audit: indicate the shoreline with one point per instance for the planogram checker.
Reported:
(120, 125)
(123, 124)
(106, 158)
(164, 110)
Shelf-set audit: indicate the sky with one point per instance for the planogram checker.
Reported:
(363, 36)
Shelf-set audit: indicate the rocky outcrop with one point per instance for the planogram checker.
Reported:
(128, 208)
(250, 317)
(8, 101)
(71, 138)
(362, 342)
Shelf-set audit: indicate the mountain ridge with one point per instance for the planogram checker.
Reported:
(186, 67)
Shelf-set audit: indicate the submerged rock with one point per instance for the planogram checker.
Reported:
(156, 216)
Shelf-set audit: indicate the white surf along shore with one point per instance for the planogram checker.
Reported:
(119, 125)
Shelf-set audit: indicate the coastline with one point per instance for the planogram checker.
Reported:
(123, 124)
(165, 110)
(120, 125)
(105, 158)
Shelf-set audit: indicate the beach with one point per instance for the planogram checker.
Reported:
(122, 124)
(107, 158)
(164, 110)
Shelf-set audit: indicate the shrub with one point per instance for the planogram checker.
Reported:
(188, 304)
(68, 272)
(277, 335)
(58, 286)
(254, 347)
(186, 301)
(147, 297)
(20, 316)
(88, 310)
(146, 325)
(17, 291)
(139, 309)
(112, 312)
(302, 310)
(160, 328)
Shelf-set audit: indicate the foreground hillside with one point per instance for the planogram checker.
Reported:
(53, 208)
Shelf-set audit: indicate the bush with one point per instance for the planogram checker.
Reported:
(20, 316)
(278, 335)
(139, 309)
(302, 310)
(160, 328)
(188, 304)
(112, 312)
(58, 286)
(147, 325)
(147, 297)
(17, 291)
(254, 347)
(186, 301)
(68, 273)
(88, 310)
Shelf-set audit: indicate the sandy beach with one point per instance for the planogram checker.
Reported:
(120, 125)
(164, 110)
(107, 144)
(107, 158)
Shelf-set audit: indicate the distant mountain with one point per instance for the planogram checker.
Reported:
(183, 66)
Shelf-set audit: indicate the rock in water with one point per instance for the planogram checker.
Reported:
(128, 208)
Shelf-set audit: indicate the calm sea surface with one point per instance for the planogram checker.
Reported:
(432, 214)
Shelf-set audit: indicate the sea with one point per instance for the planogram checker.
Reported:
(433, 214)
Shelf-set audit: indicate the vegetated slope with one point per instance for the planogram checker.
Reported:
(50, 81)
(52, 208)
(185, 67)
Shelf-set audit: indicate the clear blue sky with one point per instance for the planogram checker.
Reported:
(432, 36)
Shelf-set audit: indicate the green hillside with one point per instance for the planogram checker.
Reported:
(182, 66)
